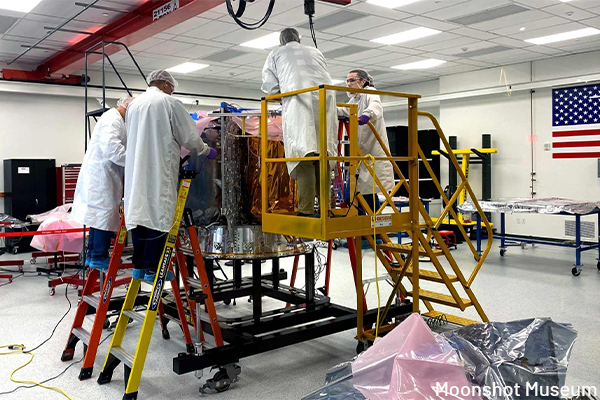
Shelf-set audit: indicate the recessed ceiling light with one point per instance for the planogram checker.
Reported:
(21, 5)
(559, 37)
(336, 81)
(265, 42)
(430, 63)
(406, 36)
(391, 3)
(521, 29)
(105, 15)
(187, 67)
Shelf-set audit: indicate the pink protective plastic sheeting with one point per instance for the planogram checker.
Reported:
(274, 126)
(58, 218)
(410, 363)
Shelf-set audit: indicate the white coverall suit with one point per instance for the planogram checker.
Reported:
(293, 67)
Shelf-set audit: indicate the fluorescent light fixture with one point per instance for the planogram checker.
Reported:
(430, 63)
(21, 5)
(336, 81)
(565, 1)
(271, 40)
(187, 67)
(391, 3)
(406, 36)
(559, 37)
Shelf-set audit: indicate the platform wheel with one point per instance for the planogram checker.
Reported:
(502, 252)
(598, 265)
(32, 261)
(222, 381)
(576, 271)
(227, 302)
(52, 291)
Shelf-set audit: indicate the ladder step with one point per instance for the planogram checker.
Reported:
(122, 355)
(427, 275)
(440, 298)
(82, 334)
(92, 300)
(407, 248)
(134, 315)
(451, 318)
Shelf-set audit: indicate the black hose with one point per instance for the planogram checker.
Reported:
(249, 26)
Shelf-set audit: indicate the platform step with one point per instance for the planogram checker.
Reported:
(134, 315)
(82, 335)
(92, 300)
(451, 318)
(407, 248)
(122, 355)
(440, 298)
(427, 275)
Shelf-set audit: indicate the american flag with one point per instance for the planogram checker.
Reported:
(576, 122)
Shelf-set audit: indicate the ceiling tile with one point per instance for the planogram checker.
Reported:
(148, 44)
(583, 46)
(384, 30)
(171, 47)
(198, 51)
(164, 62)
(345, 51)
(186, 26)
(474, 33)
(511, 42)
(6, 23)
(239, 36)
(215, 29)
(516, 19)
(372, 9)
(545, 50)
(501, 56)
(536, 3)
(482, 52)
(431, 23)
(465, 48)
(594, 22)
(530, 26)
(567, 11)
(466, 8)
(247, 58)
(551, 30)
(452, 43)
(366, 22)
(341, 17)
(440, 37)
(362, 55)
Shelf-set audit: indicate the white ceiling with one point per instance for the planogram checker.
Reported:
(208, 35)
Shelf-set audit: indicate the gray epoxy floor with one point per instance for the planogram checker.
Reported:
(526, 283)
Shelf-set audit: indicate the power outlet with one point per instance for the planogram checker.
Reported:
(547, 147)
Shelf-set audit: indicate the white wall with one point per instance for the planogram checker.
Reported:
(508, 119)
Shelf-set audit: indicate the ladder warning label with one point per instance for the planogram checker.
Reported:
(382, 220)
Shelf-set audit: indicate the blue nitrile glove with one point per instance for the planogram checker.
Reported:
(212, 154)
(363, 119)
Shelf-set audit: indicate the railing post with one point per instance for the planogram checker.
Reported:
(263, 155)
(324, 173)
(413, 176)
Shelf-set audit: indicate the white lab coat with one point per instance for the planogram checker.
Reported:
(158, 125)
(370, 104)
(293, 67)
(100, 183)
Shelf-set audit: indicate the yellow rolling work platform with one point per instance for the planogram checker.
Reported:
(401, 262)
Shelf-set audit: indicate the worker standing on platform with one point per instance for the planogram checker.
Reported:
(158, 125)
(100, 184)
(369, 109)
(291, 67)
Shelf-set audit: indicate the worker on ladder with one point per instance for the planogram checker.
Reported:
(369, 110)
(158, 125)
(100, 184)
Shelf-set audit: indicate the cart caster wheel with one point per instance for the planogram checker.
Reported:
(334, 246)
(52, 292)
(227, 302)
(523, 245)
(14, 251)
(32, 261)
(576, 271)
(222, 381)
(598, 265)
(502, 252)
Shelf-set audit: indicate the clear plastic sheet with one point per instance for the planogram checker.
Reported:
(550, 205)
(515, 354)
(495, 355)
(5, 218)
(410, 362)
(338, 385)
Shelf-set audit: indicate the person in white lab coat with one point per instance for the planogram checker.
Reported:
(293, 66)
(369, 109)
(158, 125)
(100, 184)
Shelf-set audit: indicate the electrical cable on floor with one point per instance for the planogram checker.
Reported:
(20, 349)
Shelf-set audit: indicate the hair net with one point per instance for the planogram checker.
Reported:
(161, 75)
(362, 74)
(124, 101)
(289, 35)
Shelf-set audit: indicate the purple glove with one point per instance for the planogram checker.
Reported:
(363, 119)
(212, 154)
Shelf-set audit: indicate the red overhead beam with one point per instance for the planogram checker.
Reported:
(130, 29)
